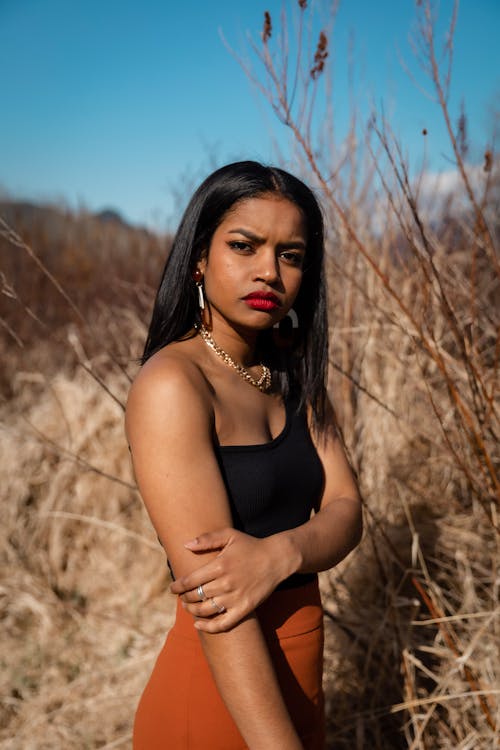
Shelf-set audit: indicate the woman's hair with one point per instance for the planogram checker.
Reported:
(302, 366)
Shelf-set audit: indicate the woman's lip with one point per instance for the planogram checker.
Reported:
(268, 296)
(262, 303)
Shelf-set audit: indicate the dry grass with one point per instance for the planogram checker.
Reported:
(84, 602)
(83, 595)
(412, 633)
(412, 659)
(83, 583)
(412, 614)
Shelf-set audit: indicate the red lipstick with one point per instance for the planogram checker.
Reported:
(265, 301)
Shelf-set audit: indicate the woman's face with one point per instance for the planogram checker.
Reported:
(253, 270)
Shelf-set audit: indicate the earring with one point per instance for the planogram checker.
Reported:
(294, 318)
(198, 278)
(201, 298)
(285, 333)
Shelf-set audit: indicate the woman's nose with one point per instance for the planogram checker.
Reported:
(266, 267)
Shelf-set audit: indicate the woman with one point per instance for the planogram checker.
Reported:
(240, 468)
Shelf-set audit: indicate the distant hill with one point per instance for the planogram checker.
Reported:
(25, 213)
(110, 215)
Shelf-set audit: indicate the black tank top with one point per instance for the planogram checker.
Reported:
(274, 486)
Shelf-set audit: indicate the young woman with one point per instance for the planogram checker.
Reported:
(240, 468)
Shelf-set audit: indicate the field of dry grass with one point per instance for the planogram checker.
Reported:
(414, 275)
(412, 615)
(83, 597)
(412, 650)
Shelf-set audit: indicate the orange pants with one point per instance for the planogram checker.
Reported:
(181, 708)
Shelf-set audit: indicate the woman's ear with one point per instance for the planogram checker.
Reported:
(202, 262)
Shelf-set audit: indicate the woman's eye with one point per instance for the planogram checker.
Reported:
(295, 259)
(240, 245)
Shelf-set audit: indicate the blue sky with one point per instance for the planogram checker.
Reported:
(120, 104)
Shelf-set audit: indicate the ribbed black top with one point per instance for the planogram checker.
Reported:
(274, 486)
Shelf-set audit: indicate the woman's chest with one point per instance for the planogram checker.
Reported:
(247, 418)
(273, 486)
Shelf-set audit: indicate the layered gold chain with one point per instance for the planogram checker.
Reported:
(263, 383)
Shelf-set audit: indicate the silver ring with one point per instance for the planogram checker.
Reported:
(219, 607)
(201, 593)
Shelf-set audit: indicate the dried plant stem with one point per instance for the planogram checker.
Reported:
(451, 641)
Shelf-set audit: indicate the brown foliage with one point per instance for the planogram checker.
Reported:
(58, 269)
(412, 615)
(414, 279)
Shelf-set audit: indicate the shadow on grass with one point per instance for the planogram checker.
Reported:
(369, 635)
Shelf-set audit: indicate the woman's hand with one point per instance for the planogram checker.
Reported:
(241, 577)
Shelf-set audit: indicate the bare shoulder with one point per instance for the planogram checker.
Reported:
(170, 425)
(170, 389)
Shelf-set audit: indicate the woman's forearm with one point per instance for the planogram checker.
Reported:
(325, 539)
(246, 680)
(316, 545)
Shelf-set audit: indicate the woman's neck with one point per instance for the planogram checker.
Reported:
(239, 344)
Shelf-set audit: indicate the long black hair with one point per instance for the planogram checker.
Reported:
(303, 366)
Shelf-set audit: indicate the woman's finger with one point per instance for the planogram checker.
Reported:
(209, 609)
(220, 623)
(194, 596)
(199, 577)
(212, 540)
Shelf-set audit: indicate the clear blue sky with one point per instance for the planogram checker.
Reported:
(119, 104)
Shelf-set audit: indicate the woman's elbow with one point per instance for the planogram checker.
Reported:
(357, 524)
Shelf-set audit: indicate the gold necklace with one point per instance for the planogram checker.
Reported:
(263, 383)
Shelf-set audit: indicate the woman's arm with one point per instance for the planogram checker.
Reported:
(169, 424)
(337, 528)
(317, 545)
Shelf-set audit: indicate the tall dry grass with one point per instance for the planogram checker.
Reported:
(414, 278)
(83, 597)
(412, 615)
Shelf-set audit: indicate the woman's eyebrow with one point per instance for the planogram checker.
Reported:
(293, 245)
(247, 233)
(296, 244)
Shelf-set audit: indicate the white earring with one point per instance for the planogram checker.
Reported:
(293, 317)
(201, 297)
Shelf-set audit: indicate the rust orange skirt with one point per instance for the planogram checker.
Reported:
(181, 708)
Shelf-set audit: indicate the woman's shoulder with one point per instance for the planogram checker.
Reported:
(170, 382)
(176, 366)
